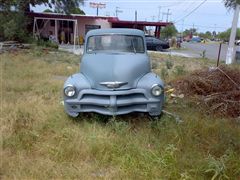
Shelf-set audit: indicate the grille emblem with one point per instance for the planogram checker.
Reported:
(114, 84)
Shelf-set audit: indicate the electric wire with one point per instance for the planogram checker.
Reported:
(191, 12)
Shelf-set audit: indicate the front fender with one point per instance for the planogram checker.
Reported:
(148, 80)
(79, 81)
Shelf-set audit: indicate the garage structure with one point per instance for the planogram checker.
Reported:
(116, 23)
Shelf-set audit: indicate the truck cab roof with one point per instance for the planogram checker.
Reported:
(124, 31)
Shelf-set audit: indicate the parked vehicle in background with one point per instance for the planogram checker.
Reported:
(238, 54)
(237, 42)
(179, 42)
(196, 39)
(179, 39)
(187, 38)
(156, 44)
(115, 76)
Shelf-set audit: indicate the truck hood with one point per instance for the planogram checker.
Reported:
(114, 71)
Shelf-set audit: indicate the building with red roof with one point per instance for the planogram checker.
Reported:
(72, 28)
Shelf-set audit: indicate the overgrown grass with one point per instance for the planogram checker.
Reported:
(172, 67)
(39, 141)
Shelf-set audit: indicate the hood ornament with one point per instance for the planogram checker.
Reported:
(114, 84)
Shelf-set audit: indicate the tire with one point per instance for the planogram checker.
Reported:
(158, 48)
(155, 118)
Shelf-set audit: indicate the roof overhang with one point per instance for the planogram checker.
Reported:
(65, 16)
(141, 23)
(113, 20)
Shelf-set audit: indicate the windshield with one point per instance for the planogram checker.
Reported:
(116, 43)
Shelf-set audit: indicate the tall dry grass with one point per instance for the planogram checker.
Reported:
(39, 141)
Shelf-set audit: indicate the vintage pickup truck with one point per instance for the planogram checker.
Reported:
(115, 76)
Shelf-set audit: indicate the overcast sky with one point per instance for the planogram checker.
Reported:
(210, 16)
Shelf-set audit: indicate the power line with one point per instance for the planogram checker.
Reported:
(177, 3)
(191, 11)
(190, 25)
(190, 6)
(167, 14)
(186, 9)
(118, 11)
(159, 12)
(203, 28)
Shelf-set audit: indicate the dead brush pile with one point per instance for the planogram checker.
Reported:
(218, 89)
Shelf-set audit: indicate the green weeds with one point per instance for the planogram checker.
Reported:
(39, 141)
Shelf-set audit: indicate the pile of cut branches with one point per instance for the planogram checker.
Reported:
(216, 88)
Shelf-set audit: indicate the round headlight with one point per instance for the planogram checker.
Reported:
(69, 91)
(156, 90)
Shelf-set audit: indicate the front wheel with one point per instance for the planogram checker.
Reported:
(72, 114)
(154, 118)
(159, 48)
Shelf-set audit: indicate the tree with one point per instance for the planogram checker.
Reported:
(64, 5)
(206, 35)
(13, 26)
(169, 31)
(226, 34)
(191, 31)
(68, 6)
(231, 4)
(48, 11)
(14, 23)
(77, 11)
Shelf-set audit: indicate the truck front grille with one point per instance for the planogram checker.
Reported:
(113, 102)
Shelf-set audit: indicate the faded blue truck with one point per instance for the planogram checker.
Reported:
(115, 76)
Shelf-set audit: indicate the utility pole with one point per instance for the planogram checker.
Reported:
(107, 13)
(163, 16)
(231, 52)
(159, 13)
(192, 31)
(135, 16)
(118, 11)
(168, 14)
(153, 18)
(182, 27)
(97, 5)
(135, 25)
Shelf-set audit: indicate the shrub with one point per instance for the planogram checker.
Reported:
(203, 54)
(179, 70)
(169, 64)
(154, 65)
(13, 26)
(164, 73)
(47, 44)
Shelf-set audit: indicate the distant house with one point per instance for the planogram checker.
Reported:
(71, 29)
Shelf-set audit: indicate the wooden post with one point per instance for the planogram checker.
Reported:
(34, 24)
(74, 36)
(56, 30)
(219, 53)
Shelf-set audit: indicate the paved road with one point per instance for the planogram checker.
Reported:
(211, 50)
(193, 50)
